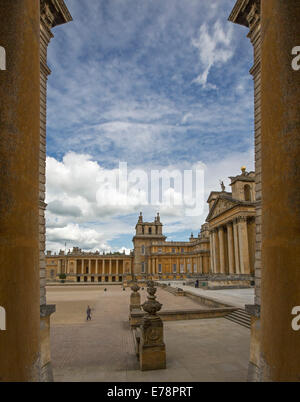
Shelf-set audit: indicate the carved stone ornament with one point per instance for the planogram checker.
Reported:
(151, 306)
(135, 287)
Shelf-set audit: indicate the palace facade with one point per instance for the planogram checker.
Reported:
(225, 246)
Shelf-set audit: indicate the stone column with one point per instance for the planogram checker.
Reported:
(19, 190)
(96, 266)
(280, 113)
(110, 268)
(90, 266)
(211, 247)
(221, 249)
(82, 266)
(236, 247)
(230, 248)
(103, 267)
(201, 264)
(215, 252)
(244, 246)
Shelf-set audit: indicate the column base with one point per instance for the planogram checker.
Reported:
(46, 374)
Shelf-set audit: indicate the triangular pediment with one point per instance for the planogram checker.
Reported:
(221, 204)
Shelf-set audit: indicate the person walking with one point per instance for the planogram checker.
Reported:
(88, 313)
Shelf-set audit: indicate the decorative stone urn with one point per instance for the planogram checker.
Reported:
(152, 347)
(135, 298)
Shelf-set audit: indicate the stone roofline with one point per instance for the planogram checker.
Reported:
(62, 14)
(217, 193)
(238, 15)
(87, 254)
(248, 177)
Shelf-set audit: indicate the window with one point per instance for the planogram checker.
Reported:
(189, 268)
(159, 268)
(150, 230)
(195, 267)
(143, 249)
(182, 250)
(247, 192)
(160, 250)
(173, 250)
(174, 268)
(143, 267)
(181, 268)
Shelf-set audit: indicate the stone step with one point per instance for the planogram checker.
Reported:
(240, 317)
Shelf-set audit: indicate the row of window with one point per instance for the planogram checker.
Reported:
(160, 250)
(181, 266)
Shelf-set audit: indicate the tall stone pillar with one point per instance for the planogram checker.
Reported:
(103, 267)
(236, 247)
(215, 252)
(243, 246)
(221, 249)
(19, 190)
(110, 268)
(96, 262)
(90, 266)
(280, 112)
(201, 265)
(230, 248)
(211, 244)
(82, 266)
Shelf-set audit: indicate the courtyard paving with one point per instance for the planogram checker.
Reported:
(102, 349)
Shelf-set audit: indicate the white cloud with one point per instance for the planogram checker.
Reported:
(74, 215)
(215, 48)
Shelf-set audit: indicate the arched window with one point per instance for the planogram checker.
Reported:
(247, 192)
(143, 249)
(150, 230)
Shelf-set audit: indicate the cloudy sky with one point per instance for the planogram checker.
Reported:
(157, 84)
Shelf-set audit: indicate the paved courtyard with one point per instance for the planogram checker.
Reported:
(102, 349)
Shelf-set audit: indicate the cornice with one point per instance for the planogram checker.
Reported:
(54, 12)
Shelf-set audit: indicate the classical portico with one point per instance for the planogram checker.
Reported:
(232, 227)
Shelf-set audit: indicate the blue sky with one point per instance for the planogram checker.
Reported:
(159, 84)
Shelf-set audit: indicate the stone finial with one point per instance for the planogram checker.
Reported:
(243, 169)
(141, 217)
(151, 306)
(135, 287)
